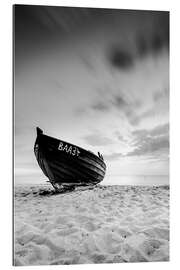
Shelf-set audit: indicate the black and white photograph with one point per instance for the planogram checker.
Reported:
(90, 135)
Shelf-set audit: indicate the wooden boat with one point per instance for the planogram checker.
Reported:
(66, 165)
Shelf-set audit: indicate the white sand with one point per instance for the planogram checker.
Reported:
(108, 224)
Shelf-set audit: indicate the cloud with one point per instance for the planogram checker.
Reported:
(147, 114)
(97, 140)
(150, 45)
(100, 106)
(157, 131)
(161, 37)
(150, 142)
(142, 46)
(128, 108)
(121, 138)
(156, 39)
(120, 103)
(112, 157)
(160, 106)
(160, 94)
(121, 58)
(148, 40)
(150, 146)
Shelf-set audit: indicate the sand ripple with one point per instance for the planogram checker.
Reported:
(107, 224)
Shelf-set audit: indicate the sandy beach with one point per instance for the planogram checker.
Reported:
(107, 224)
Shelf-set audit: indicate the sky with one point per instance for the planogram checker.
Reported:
(98, 78)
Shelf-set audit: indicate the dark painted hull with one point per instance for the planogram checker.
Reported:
(66, 164)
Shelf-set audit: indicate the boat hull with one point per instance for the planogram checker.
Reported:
(66, 164)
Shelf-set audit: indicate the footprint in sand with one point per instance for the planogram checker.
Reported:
(124, 233)
(98, 258)
(151, 246)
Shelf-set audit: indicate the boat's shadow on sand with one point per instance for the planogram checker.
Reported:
(48, 192)
(41, 192)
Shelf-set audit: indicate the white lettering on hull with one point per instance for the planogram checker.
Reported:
(69, 149)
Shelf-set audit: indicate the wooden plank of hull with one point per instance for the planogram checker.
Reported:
(79, 164)
(67, 170)
(60, 167)
(74, 173)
